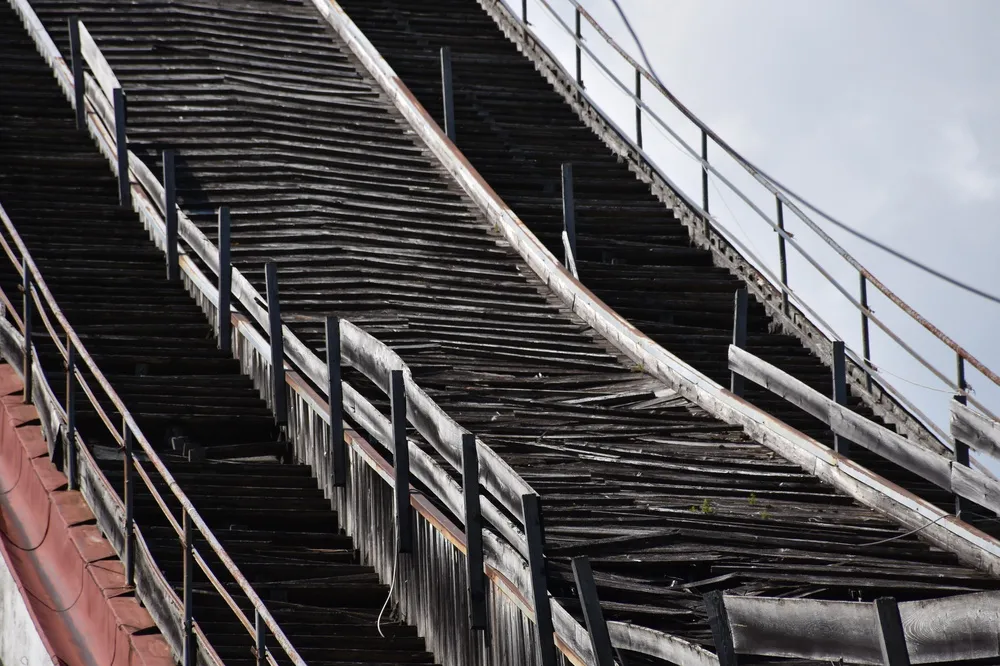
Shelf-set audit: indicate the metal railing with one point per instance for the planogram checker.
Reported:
(102, 110)
(584, 53)
(84, 376)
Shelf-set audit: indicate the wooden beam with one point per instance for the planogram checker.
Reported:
(722, 632)
(892, 640)
(978, 431)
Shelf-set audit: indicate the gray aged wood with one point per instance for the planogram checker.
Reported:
(892, 640)
(978, 431)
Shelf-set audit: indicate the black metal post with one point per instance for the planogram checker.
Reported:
(524, 13)
(79, 89)
(740, 306)
(124, 187)
(129, 508)
(261, 644)
(840, 445)
(27, 311)
(569, 209)
(722, 633)
(782, 257)
(401, 463)
(473, 533)
(961, 448)
(170, 214)
(335, 392)
(534, 534)
(586, 590)
(447, 92)
(224, 321)
(71, 415)
(277, 344)
(866, 347)
(188, 627)
(579, 53)
(704, 171)
(638, 107)
(892, 639)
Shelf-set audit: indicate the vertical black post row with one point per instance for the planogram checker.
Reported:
(447, 92)
(840, 445)
(638, 107)
(534, 534)
(78, 83)
(27, 312)
(473, 533)
(722, 633)
(401, 463)
(124, 187)
(704, 171)
(586, 590)
(892, 639)
(224, 321)
(524, 14)
(277, 344)
(129, 483)
(70, 415)
(170, 214)
(335, 392)
(569, 209)
(579, 53)
(261, 644)
(961, 448)
(740, 306)
(866, 345)
(782, 257)
(188, 627)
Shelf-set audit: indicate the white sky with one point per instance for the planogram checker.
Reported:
(882, 113)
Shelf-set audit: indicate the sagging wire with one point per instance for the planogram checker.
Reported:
(750, 166)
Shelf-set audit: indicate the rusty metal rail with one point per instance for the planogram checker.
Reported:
(38, 301)
(784, 198)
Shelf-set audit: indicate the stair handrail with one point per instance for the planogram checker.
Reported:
(785, 198)
(42, 297)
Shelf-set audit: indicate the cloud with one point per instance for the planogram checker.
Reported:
(961, 167)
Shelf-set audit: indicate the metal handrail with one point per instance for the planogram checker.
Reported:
(784, 199)
(42, 297)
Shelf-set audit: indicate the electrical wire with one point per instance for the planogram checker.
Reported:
(905, 534)
(789, 192)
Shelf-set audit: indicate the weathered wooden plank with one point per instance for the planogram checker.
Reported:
(98, 63)
(978, 431)
(931, 466)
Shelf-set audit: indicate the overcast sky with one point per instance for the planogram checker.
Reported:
(883, 113)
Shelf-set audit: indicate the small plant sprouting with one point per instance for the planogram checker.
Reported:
(706, 506)
(752, 500)
(764, 515)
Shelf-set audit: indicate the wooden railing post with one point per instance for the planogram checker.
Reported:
(170, 214)
(129, 485)
(866, 348)
(722, 633)
(579, 51)
(704, 171)
(740, 306)
(401, 463)
(473, 533)
(260, 644)
(71, 462)
(124, 186)
(188, 592)
(840, 444)
(535, 536)
(335, 391)
(597, 627)
(223, 318)
(638, 107)
(569, 211)
(891, 637)
(27, 313)
(961, 448)
(277, 344)
(79, 87)
(447, 92)
(782, 257)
